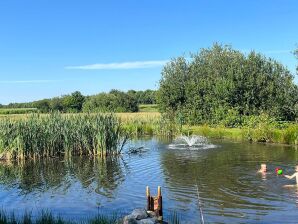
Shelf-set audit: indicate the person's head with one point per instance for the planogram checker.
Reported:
(296, 168)
(263, 167)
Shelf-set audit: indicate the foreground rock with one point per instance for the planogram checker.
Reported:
(141, 216)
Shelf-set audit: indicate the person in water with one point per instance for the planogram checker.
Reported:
(263, 168)
(294, 175)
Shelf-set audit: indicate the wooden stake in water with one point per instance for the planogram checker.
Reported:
(200, 206)
(154, 204)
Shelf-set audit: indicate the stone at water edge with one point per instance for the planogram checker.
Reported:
(139, 214)
(148, 221)
(129, 219)
(151, 214)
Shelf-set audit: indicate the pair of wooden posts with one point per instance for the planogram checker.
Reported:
(154, 204)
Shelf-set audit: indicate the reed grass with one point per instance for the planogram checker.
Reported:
(48, 218)
(61, 135)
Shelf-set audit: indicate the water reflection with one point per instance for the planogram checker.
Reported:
(103, 175)
(227, 179)
(230, 189)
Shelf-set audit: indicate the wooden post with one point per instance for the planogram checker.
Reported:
(149, 208)
(155, 203)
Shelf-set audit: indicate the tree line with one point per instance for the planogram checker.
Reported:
(223, 85)
(113, 101)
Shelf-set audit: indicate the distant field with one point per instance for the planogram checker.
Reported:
(148, 108)
(123, 116)
(7, 111)
(138, 116)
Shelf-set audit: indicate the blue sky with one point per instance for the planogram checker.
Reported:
(54, 47)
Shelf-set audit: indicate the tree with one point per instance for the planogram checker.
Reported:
(56, 104)
(43, 105)
(219, 81)
(172, 91)
(73, 102)
(114, 101)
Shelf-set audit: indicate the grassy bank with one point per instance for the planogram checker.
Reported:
(287, 135)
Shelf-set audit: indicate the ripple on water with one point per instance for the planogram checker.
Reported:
(230, 190)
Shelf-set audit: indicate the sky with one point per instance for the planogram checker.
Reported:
(54, 47)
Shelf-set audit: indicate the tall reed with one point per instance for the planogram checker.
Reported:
(56, 135)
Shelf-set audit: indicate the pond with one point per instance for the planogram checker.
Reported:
(230, 190)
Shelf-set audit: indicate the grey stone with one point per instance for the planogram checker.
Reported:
(139, 214)
(148, 221)
(151, 214)
(129, 219)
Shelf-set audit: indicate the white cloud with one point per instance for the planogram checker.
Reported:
(123, 65)
(27, 81)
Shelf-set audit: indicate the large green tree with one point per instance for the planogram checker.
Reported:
(220, 81)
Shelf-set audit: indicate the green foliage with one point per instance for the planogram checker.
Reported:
(259, 128)
(143, 97)
(115, 101)
(72, 103)
(18, 110)
(220, 85)
(58, 135)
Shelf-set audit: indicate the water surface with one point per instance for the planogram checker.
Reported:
(230, 190)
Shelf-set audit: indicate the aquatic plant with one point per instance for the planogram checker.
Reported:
(56, 135)
(47, 217)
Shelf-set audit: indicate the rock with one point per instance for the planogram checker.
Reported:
(129, 219)
(139, 214)
(148, 221)
(151, 214)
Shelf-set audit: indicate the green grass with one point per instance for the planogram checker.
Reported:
(148, 108)
(285, 135)
(48, 218)
(6, 111)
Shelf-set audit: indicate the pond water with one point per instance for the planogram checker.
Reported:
(230, 190)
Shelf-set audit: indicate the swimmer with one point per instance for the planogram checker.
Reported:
(294, 175)
(263, 168)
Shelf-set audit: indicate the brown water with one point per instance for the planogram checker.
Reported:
(229, 188)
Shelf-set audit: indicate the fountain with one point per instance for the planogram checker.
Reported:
(192, 142)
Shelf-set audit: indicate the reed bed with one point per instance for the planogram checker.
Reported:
(48, 218)
(56, 135)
